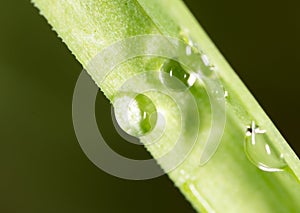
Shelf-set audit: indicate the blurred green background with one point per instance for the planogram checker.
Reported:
(43, 169)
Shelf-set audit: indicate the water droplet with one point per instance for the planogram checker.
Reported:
(212, 67)
(177, 78)
(140, 117)
(260, 151)
(183, 35)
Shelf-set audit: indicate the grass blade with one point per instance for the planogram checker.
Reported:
(229, 182)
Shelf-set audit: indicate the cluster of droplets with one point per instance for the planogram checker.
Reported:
(258, 146)
(202, 67)
(141, 113)
(192, 48)
(261, 152)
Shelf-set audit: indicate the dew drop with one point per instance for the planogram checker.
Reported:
(183, 35)
(192, 79)
(140, 116)
(260, 151)
(177, 78)
(212, 68)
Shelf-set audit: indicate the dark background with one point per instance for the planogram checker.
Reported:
(42, 167)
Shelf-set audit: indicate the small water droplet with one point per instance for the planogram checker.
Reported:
(212, 67)
(183, 35)
(260, 151)
(140, 117)
(177, 78)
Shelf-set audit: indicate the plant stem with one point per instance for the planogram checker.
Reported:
(229, 182)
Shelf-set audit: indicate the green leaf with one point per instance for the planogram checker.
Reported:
(232, 180)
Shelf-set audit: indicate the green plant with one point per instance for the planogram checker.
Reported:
(230, 182)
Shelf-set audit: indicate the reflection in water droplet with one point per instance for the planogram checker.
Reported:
(260, 151)
(192, 79)
(189, 50)
(226, 94)
(185, 38)
(177, 78)
(139, 117)
(144, 111)
(205, 60)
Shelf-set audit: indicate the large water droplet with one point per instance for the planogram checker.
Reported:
(260, 151)
(138, 116)
(177, 78)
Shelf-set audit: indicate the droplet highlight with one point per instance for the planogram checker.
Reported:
(226, 94)
(261, 152)
(205, 60)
